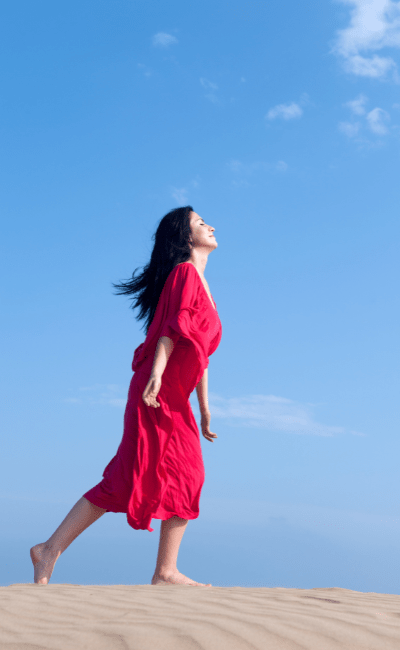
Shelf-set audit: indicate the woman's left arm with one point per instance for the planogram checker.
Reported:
(202, 396)
(202, 393)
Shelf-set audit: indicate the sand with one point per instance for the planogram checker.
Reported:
(141, 617)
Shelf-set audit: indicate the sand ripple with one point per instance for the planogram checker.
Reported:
(143, 617)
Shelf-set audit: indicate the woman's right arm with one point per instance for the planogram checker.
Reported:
(164, 348)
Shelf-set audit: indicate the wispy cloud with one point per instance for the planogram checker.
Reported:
(377, 120)
(208, 84)
(290, 110)
(357, 106)
(350, 129)
(285, 111)
(242, 170)
(211, 89)
(235, 165)
(195, 182)
(374, 25)
(258, 411)
(240, 182)
(281, 166)
(144, 69)
(239, 167)
(99, 394)
(162, 39)
(180, 195)
(271, 413)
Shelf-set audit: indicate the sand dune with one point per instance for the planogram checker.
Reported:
(141, 617)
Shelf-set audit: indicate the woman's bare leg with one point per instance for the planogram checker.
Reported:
(45, 555)
(166, 571)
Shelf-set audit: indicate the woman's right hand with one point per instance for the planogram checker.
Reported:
(151, 391)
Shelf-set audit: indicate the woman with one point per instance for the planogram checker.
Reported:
(158, 471)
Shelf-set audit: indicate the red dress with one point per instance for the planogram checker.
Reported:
(158, 470)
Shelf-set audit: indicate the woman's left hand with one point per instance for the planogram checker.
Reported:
(205, 426)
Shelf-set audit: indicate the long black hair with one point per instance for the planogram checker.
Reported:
(171, 247)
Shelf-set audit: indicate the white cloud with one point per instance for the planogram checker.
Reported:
(377, 120)
(281, 166)
(212, 98)
(304, 99)
(208, 84)
(374, 25)
(241, 182)
(235, 166)
(285, 111)
(211, 87)
(162, 39)
(357, 106)
(180, 195)
(271, 413)
(259, 411)
(348, 128)
(247, 169)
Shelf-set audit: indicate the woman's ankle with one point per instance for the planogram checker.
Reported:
(52, 548)
(165, 571)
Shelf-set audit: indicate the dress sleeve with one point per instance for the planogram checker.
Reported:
(181, 313)
(167, 330)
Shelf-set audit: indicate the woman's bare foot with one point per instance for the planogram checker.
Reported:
(43, 559)
(175, 578)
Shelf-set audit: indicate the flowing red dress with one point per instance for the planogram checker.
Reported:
(158, 470)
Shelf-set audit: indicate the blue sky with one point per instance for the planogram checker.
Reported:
(280, 124)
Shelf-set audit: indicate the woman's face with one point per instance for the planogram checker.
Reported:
(202, 234)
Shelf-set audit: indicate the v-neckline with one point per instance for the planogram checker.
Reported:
(212, 299)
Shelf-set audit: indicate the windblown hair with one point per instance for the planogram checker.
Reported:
(170, 248)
